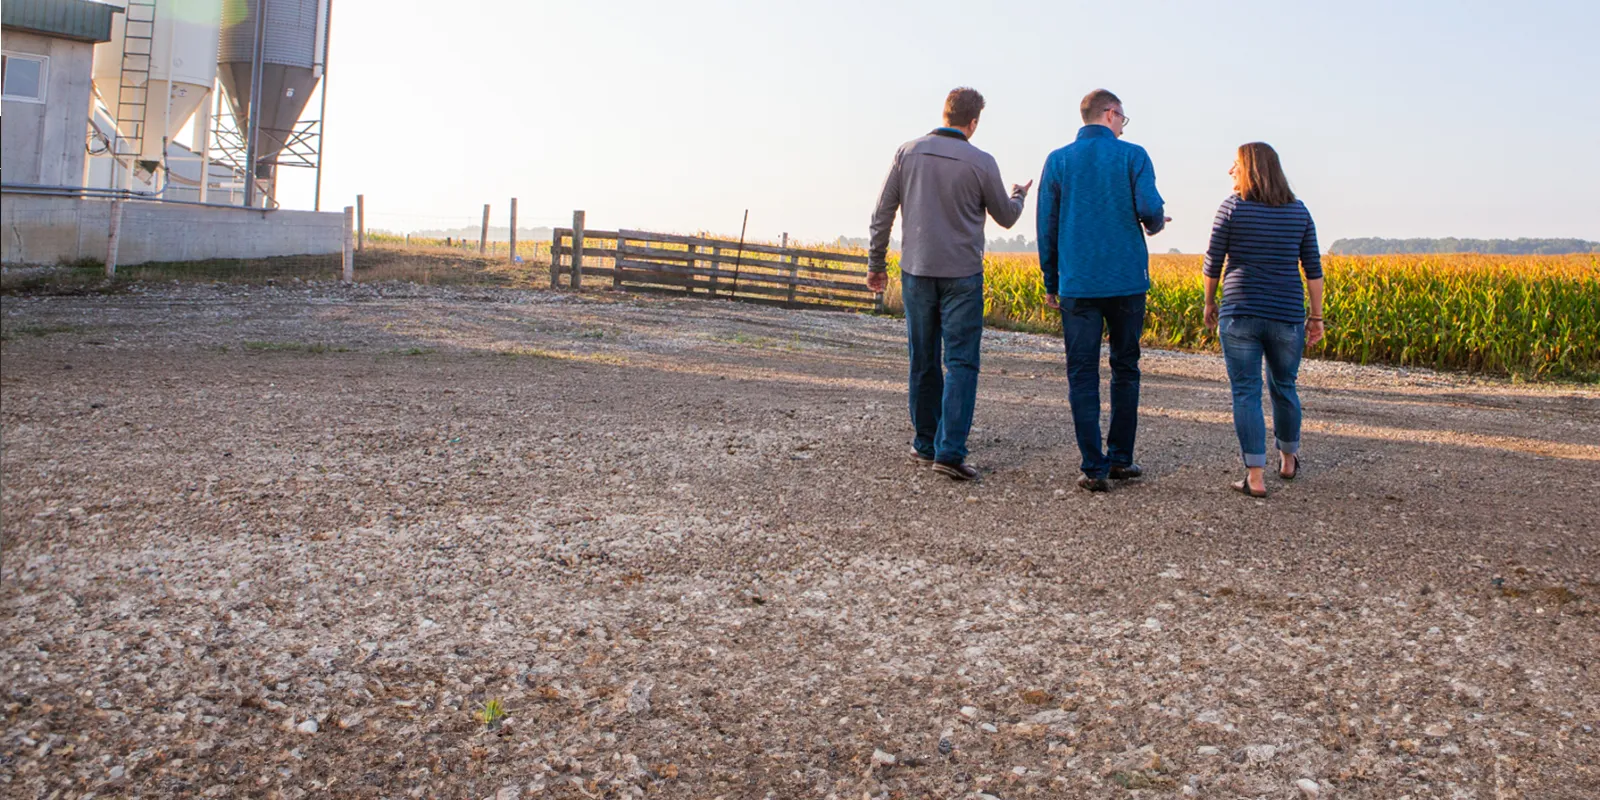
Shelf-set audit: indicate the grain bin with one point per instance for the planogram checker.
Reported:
(294, 47)
(160, 51)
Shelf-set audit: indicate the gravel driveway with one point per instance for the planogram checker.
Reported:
(287, 541)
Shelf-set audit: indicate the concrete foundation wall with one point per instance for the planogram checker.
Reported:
(43, 143)
(46, 230)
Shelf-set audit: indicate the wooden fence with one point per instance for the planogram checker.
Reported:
(714, 268)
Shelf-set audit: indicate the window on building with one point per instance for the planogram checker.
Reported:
(23, 76)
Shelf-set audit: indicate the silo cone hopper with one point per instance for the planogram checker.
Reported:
(161, 50)
(293, 51)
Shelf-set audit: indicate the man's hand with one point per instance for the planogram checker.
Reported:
(1314, 332)
(1052, 301)
(878, 281)
(1213, 315)
(1021, 188)
(1164, 221)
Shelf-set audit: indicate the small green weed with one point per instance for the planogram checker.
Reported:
(527, 352)
(40, 330)
(491, 713)
(293, 347)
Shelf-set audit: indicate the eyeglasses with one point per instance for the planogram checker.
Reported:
(1125, 118)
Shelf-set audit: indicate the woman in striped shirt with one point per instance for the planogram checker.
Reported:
(1262, 240)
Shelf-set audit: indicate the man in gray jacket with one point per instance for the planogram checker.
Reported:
(942, 186)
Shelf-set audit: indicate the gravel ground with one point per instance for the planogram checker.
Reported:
(286, 541)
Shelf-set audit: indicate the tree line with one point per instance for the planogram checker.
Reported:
(1510, 247)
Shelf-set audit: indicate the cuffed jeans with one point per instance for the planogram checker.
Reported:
(1084, 321)
(943, 314)
(1246, 342)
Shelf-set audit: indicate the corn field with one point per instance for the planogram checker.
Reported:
(1529, 317)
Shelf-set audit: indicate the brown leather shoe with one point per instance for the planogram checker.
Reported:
(1126, 472)
(956, 472)
(1093, 484)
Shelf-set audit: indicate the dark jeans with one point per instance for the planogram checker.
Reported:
(1246, 342)
(947, 314)
(1084, 321)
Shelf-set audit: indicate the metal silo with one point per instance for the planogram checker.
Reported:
(277, 77)
(156, 72)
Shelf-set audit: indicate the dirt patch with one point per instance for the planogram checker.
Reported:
(293, 541)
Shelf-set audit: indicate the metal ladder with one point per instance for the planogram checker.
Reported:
(133, 90)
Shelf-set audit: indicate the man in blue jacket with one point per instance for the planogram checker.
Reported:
(1097, 201)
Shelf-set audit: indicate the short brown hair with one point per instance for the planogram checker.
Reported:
(1260, 177)
(1096, 103)
(962, 106)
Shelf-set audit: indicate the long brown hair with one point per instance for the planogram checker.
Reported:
(1260, 177)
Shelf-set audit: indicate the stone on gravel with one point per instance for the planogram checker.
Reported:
(1260, 753)
(1308, 787)
(309, 726)
(1054, 716)
(637, 698)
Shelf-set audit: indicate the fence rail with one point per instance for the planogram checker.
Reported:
(792, 277)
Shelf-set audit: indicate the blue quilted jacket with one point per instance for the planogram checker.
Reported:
(1097, 199)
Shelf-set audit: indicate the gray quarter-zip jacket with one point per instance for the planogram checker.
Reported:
(942, 186)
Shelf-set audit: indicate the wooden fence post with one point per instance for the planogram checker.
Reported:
(114, 238)
(513, 249)
(361, 221)
(555, 258)
(483, 234)
(716, 268)
(794, 268)
(616, 263)
(577, 249)
(347, 270)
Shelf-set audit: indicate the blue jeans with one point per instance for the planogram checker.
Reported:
(947, 314)
(1246, 341)
(1084, 321)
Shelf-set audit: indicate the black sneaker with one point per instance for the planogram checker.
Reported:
(917, 456)
(1126, 472)
(1092, 484)
(956, 472)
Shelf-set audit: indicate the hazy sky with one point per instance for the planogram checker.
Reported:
(1398, 119)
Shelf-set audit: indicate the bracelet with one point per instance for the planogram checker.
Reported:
(1313, 319)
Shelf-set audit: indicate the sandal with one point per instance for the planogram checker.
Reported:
(1293, 473)
(1243, 487)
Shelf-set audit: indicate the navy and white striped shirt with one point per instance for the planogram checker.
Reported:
(1265, 248)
